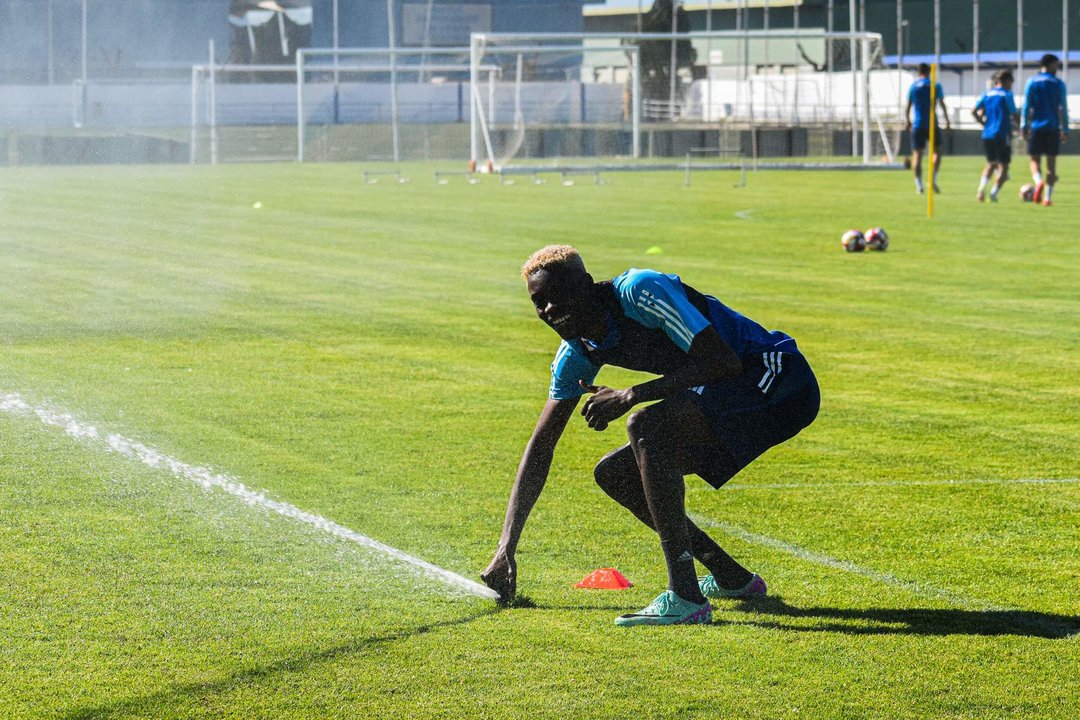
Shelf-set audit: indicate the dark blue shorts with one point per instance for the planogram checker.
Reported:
(998, 150)
(1044, 142)
(920, 136)
(776, 396)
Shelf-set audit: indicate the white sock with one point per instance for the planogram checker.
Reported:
(1037, 177)
(918, 183)
(994, 191)
(935, 177)
(982, 183)
(1048, 192)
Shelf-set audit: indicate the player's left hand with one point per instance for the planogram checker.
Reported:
(605, 404)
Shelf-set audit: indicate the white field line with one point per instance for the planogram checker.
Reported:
(15, 405)
(904, 483)
(916, 588)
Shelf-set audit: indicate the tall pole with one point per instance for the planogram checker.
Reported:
(52, 75)
(899, 57)
(931, 140)
(706, 114)
(1065, 40)
(392, 36)
(1019, 43)
(975, 47)
(854, 81)
(84, 43)
(829, 60)
(674, 60)
(336, 45)
(211, 103)
(937, 32)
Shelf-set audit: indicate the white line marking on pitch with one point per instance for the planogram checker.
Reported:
(905, 483)
(15, 405)
(744, 214)
(916, 588)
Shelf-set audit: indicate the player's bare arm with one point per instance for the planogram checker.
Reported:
(501, 573)
(712, 359)
(944, 113)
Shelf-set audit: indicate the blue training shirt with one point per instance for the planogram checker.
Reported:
(919, 96)
(658, 301)
(1043, 96)
(999, 106)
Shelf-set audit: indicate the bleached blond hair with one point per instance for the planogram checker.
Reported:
(553, 257)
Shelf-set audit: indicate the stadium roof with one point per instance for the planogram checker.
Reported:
(629, 7)
(1004, 57)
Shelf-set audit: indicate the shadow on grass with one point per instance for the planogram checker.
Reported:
(909, 621)
(165, 701)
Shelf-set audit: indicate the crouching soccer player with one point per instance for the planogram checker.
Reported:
(996, 111)
(728, 390)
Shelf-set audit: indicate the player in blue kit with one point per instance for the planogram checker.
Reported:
(728, 390)
(919, 100)
(1044, 120)
(996, 111)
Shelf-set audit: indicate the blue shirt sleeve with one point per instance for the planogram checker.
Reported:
(659, 301)
(1011, 102)
(938, 92)
(570, 365)
(980, 103)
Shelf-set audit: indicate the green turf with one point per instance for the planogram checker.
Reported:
(368, 353)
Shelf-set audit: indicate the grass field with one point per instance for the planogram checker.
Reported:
(367, 353)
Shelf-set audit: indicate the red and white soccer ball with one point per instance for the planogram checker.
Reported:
(877, 238)
(1027, 192)
(853, 241)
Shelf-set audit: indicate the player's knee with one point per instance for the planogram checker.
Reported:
(645, 429)
(605, 474)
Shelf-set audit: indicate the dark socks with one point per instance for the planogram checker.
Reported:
(680, 565)
(729, 574)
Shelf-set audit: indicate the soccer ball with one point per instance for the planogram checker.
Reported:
(853, 241)
(877, 238)
(1027, 192)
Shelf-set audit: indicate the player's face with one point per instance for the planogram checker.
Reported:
(565, 302)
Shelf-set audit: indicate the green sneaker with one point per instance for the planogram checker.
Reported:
(756, 588)
(668, 609)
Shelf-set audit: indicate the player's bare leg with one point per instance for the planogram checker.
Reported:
(1051, 178)
(917, 169)
(1036, 176)
(618, 475)
(984, 179)
(1002, 178)
(656, 435)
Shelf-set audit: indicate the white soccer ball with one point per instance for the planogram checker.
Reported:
(1027, 192)
(877, 238)
(853, 241)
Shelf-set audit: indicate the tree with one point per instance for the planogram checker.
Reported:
(656, 54)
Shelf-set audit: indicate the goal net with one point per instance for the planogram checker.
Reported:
(383, 104)
(793, 97)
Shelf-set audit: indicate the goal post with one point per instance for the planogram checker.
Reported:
(560, 97)
(383, 104)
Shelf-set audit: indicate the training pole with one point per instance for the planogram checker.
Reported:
(930, 140)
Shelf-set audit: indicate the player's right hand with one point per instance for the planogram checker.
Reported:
(501, 576)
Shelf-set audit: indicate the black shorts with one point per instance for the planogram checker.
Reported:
(1044, 142)
(776, 396)
(921, 136)
(998, 150)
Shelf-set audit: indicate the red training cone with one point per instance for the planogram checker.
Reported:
(605, 579)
